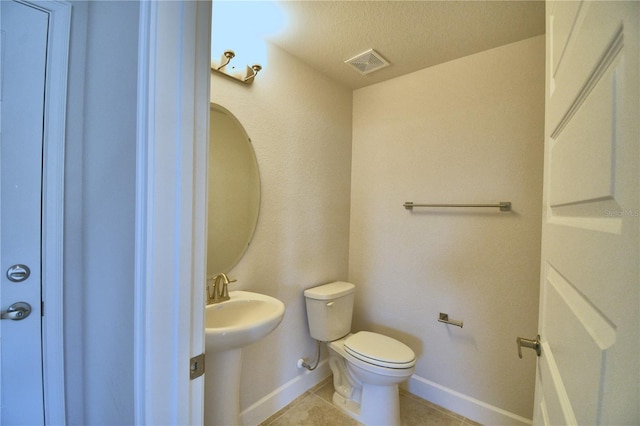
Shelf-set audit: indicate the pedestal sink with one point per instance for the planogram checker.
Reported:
(229, 326)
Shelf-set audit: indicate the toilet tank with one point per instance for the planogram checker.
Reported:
(329, 310)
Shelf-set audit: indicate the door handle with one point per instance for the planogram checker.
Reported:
(18, 311)
(528, 343)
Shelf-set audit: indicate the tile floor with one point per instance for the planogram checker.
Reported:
(314, 408)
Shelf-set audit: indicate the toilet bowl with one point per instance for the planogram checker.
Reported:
(367, 367)
(365, 386)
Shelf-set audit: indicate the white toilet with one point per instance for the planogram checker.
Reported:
(367, 367)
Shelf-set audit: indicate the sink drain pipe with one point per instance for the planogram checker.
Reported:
(303, 363)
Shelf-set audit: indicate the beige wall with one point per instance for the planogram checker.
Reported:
(467, 131)
(300, 125)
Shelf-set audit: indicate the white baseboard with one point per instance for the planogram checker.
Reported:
(464, 405)
(284, 395)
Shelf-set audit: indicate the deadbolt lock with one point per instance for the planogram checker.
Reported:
(18, 273)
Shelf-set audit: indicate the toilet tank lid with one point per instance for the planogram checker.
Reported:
(330, 291)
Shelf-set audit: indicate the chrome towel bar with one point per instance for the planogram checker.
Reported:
(504, 206)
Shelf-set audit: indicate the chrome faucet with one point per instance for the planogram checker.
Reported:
(218, 292)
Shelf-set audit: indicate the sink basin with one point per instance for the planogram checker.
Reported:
(242, 320)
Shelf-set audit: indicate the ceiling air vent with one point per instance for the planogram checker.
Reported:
(367, 62)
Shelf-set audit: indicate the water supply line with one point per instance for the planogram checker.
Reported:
(303, 363)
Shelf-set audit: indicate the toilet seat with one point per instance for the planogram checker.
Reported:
(380, 350)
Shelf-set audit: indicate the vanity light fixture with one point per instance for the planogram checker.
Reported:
(246, 78)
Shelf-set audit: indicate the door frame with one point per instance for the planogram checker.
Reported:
(55, 105)
(170, 232)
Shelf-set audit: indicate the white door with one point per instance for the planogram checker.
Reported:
(589, 369)
(24, 47)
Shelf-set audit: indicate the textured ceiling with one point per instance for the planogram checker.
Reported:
(411, 35)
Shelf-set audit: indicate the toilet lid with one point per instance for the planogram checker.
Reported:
(380, 350)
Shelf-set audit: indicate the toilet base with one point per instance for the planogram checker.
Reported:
(367, 397)
(381, 406)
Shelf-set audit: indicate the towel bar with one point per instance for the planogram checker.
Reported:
(504, 206)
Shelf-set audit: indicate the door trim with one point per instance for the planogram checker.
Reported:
(55, 105)
(170, 233)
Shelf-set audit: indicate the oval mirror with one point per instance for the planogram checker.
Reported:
(234, 191)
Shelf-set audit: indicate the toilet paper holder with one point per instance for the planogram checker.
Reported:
(445, 319)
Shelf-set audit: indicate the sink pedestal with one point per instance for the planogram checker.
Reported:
(222, 387)
(229, 326)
